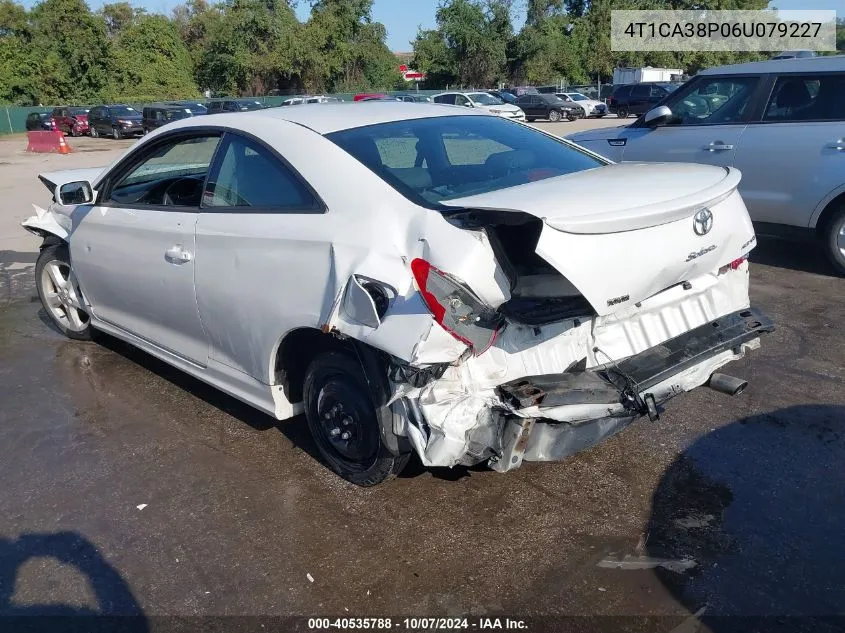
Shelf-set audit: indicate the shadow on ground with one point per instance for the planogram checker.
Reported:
(20, 571)
(767, 543)
(802, 256)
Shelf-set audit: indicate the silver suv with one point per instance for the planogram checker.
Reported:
(782, 123)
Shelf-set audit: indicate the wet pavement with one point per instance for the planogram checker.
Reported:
(238, 512)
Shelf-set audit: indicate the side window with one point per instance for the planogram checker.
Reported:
(640, 91)
(657, 91)
(624, 92)
(171, 174)
(461, 100)
(712, 100)
(807, 98)
(450, 99)
(249, 176)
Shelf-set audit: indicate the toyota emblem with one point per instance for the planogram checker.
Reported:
(702, 221)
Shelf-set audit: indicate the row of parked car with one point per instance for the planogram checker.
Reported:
(120, 120)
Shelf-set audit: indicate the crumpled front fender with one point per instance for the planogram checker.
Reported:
(44, 223)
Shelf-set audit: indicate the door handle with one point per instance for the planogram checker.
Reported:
(177, 255)
(718, 146)
(837, 145)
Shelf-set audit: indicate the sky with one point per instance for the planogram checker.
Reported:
(403, 17)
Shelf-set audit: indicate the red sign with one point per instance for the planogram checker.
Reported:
(403, 68)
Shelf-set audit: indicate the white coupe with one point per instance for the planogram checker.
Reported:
(413, 278)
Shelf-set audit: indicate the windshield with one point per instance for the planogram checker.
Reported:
(78, 111)
(550, 98)
(577, 96)
(484, 99)
(441, 158)
(123, 111)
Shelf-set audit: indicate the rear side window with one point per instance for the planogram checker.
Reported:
(807, 98)
(249, 176)
(624, 91)
(441, 158)
(641, 91)
(450, 99)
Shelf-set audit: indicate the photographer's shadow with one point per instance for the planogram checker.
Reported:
(760, 506)
(114, 599)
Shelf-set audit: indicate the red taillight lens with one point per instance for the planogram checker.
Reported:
(456, 308)
(733, 265)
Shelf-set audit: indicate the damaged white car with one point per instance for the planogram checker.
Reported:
(411, 277)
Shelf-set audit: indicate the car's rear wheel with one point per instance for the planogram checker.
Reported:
(835, 240)
(116, 134)
(345, 421)
(622, 112)
(554, 116)
(59, 292)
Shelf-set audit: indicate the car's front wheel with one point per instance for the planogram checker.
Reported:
(554, 116)
(93, 131)
(622, 113)
(116, 134)
(345, 421)
(60, 294)
(835, 240)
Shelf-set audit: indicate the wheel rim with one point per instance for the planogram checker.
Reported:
(347, 422)
(554, 115)
(840, 240)
(116, 135)
(62, 297)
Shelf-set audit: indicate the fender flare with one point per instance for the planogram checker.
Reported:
(43, 224)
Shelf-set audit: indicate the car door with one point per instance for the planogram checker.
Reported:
(639, 101)
(709, 117)
(257, 245)
(133, 251)
(794, 156)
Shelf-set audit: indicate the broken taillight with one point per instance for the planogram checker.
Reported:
(733, 265)
(456, 308)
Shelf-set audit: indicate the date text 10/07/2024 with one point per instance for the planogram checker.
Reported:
(414, 624)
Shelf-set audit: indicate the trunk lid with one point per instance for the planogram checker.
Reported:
(613, 198)
(623, 233)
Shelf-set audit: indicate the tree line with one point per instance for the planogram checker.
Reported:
(59, 51)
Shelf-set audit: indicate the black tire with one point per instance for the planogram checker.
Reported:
(554, 116)
(622, 112)
(116, 135)
(834, 240)
(572, 116)
(58, 254)
(339, 402)
(93, 131)
(530, 119)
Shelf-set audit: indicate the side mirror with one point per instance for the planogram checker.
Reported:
(658, 116)
(468, 104)
(78, 192)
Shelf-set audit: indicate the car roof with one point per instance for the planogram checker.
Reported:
(325, 118)
(829, 63)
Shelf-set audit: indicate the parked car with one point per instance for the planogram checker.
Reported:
(39, 121)
(589, 107)
(117, 121)
(546, 106)
(72, 121)
(504, 95)
(638, 98)
(781, 123)
(196, 109)
(293, 101)
(234, 105)
(362, 96)
(379, 98)
(407, 275)
(482, 100)
(157, 114)
(322, 99)
(413, 98)
(795, 54)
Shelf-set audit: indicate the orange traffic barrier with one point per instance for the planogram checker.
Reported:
(47, 141)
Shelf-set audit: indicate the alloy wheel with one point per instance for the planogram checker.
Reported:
(62, 296)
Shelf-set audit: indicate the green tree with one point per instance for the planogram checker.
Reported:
(118, 17)
(72, 51)
(151, 62)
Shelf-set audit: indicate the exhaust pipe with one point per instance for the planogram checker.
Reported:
(727, 384)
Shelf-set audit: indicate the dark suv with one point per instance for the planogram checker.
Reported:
(116, 121)
(638, 98)
(39, 122)
(234, 105)
(158, 114)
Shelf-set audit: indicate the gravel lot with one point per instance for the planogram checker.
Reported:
(129, 488)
